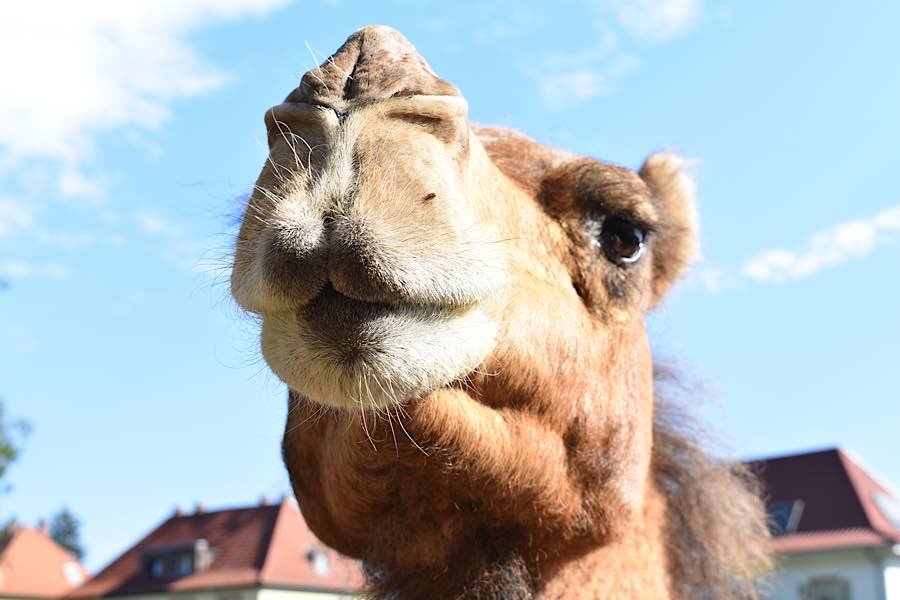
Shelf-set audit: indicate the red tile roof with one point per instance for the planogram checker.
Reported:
(33, 565)
(843, 506)
(251, 547)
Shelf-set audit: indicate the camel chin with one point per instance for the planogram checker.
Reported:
(350, 354)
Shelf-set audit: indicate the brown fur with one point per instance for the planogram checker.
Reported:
(473, 409)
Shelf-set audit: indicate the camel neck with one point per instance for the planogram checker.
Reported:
(494, 564)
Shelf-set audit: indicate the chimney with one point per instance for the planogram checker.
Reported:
(43, 527)
(179, 512)
(203, 555)
(264, 500)
(199, 509)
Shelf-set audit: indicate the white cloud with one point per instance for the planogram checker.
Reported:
(151, 223)
(566, 79)
(511, 22)
(15, 269)
(839, 244)
(714, 279)
(653, 20)
(566, 87)
(621, 25)
(178, 247)
(74, 184)
(75, 70)
(14, 216)
(573, 86)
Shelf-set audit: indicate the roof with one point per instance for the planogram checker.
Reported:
(825, 500)
(33, 565)
(259, 546)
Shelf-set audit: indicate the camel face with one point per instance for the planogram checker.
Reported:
(384, 250)
(364, 255)
(391, 250)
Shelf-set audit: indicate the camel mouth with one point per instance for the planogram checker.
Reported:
(344, 352)
(354, 327)
(332, 302)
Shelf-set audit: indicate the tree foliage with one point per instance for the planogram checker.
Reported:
(65, 529)
(11, 434)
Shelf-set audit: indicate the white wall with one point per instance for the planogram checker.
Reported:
(857, 567)
(892, 578)
(244, 594)
(295, 595)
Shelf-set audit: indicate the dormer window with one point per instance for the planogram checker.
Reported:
(157, 568)
(185, 565)
(176, 561)
(785, 516)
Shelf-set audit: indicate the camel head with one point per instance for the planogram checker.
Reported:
(458, 313)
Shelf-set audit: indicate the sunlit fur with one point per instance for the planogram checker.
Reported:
(474, 410)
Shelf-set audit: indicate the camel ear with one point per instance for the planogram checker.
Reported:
(677, 242)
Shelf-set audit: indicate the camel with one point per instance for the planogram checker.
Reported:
(458, 313)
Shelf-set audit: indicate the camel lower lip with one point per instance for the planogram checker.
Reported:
(342, 352)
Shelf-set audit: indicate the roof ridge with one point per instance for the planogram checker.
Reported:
(232, 508)
(262, 574)
(868, 503)
(6, 537)
(285, 504)
(870, 471)
(116, 558)
(793, 454)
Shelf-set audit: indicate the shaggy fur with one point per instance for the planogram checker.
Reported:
(459, 315)
(716, 530)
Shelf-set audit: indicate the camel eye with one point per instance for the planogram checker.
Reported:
(621, 240)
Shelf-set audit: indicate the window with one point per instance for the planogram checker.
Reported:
(826, 588)
(319, 561)
(185, 565)
(177, 560)
(785, 516)
(72, 573)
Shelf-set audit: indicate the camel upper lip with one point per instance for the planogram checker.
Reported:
(329, 295)
(328, 292)
(332, 296)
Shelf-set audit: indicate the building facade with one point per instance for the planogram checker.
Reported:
(836, 528)
(263, 552)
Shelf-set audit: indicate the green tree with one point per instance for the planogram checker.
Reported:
(65, 531)
(11, 434)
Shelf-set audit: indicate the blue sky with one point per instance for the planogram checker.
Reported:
(130, 131)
